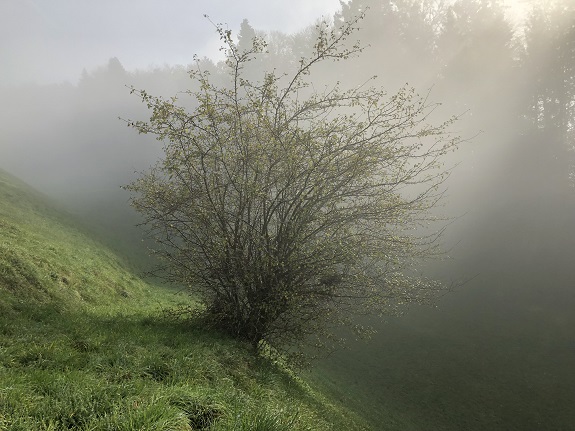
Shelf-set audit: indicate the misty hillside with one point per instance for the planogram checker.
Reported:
(48, 260)
(86, 344)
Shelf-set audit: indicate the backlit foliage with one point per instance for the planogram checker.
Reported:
(290, 206)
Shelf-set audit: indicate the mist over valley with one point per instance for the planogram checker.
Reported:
(496, 352)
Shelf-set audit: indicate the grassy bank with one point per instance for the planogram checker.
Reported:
(85, 345)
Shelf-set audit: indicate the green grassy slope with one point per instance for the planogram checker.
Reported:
(84, 344)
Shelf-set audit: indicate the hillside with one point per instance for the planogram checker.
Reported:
(85, 344)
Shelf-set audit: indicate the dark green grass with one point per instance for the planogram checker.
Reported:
(444, 371)
(499, 354)
(85, 344)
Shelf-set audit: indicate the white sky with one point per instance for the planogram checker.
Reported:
(46, 41)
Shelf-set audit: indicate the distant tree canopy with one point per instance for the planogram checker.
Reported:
(550, 57)
(289, 206)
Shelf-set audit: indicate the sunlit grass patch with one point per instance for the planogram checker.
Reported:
(89, 372)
